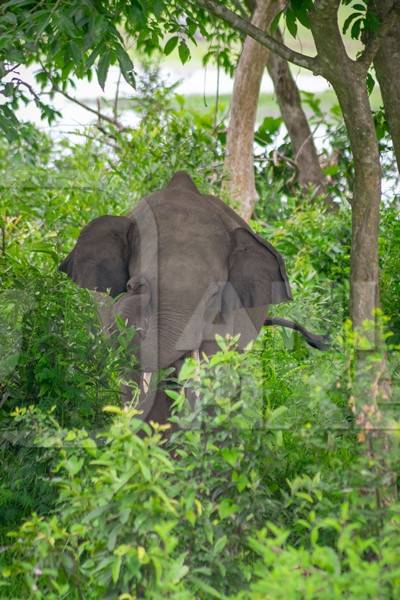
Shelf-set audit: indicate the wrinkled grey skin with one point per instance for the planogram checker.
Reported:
(185, 267)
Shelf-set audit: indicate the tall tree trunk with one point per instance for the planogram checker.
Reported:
(370, 381)
(348, 79)
(364, 286)
(287, 94)
(239, 157)
(387, 68)
(239, 181)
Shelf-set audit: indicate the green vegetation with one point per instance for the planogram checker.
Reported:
(265, 490)
(267, 105)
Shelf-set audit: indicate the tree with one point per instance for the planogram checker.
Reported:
(349, 80)
(239, 180)
(387, 69)
(78, 39)
(301, 137)
(239, 155)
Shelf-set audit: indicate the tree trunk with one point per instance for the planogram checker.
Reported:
(239, 183)
(348, 79)
(239, 157)
(287, 94)
(371, 382)
(387, 68)
(364, 286)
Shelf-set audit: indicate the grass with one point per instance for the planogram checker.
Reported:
(267, 104)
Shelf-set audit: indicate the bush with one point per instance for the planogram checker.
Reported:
(258, 486)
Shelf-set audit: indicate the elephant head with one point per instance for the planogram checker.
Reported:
(182, 266)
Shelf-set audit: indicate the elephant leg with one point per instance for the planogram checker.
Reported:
(146, 396)
(154, 403)
(160, 409)
(126, 390)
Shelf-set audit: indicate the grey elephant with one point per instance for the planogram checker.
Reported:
(181, 268)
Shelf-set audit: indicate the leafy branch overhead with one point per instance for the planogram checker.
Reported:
(73, 40)
(302, 12)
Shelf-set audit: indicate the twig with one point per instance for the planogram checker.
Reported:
(309, 137)
(94, 138)
(27, 85)
(217, 93)
(115, 108)
(99, 114)
(12, 69)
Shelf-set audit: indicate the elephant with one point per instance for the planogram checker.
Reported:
(180, 268)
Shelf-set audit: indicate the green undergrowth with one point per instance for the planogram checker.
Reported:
(266, 489)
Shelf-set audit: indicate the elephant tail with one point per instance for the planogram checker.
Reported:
(321, 342)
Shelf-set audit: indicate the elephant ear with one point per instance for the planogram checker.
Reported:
(100, 259)
(257, 273)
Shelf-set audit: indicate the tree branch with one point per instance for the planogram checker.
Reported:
(19, 81)
(237, 22)
(98, 114)
(372, 47)
(101, 116)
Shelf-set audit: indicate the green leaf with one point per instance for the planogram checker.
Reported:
(370, 83)
(331, 170)
(171, 45)
(173, 395)
(116, 568)
(356, 29)
(300, 9)
(207, 589)
(349, 21)
(303, 18)
(73, 465)
(178, 569)
(188, 369)
(122, 550)
(275, 21)
(126, 66)
(269, 126)
(92, 57)
(275, 414)
(8, 128)
(184, 52)
(102, 68)
(291, 22)
(231, 455)
(112, 409)
(227, 508)
(220, 544)
(46, 249)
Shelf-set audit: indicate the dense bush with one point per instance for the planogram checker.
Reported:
(254, 492)
(265, 491)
